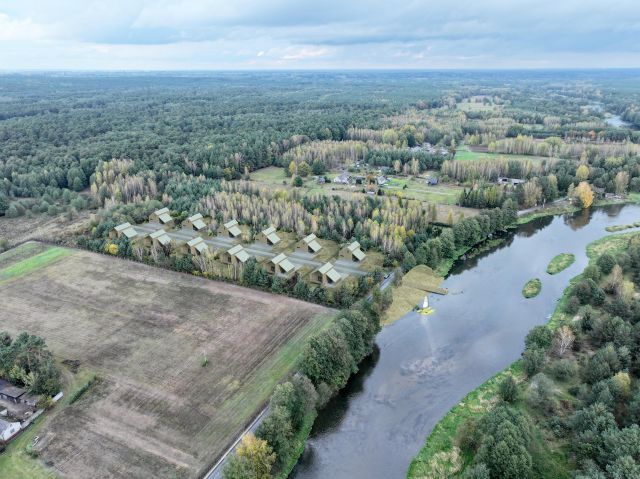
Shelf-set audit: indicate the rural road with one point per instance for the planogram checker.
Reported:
(216, 470)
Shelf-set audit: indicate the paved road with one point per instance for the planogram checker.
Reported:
(261, 250)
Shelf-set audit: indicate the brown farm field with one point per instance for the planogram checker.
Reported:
(156, 410)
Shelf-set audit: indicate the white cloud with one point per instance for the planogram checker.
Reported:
(305, 53)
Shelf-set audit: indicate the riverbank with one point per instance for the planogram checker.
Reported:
(566, 207)
(441, 455)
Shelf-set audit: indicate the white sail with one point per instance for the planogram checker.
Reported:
(425, 302)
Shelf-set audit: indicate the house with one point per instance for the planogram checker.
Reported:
(269, 236)
(8, 429)
(503, 180)
(197, 246)
(11, 393)
(160, 238)
(235, 255)
(281, 266)
(352, 252)
(232, 229)
(381, 180)
(161, 216)
(325, 275)
(432, 181)
(343, 178)
(123, 230)
(195, 222)
(310, 244)
(320, 180)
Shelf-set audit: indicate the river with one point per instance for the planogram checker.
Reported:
(424, 365)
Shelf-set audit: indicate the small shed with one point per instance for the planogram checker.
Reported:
(235, 255)
(123, 230)
(8, 429)
(281, 266)
(160, 238)
(232, 229)
(352, 252)
(381, 180)
(197, 246)
(195, 222)
(326, 275)
(161, 216)
(269, 236)
(310, 244)
(11, 393)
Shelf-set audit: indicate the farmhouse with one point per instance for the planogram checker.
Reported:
(235, 255)
(125, 229)
(281, 266)
(8, 429)
(353, 252)
(161, 216)
(381, 180)
(310, 244)
(11, 393)
(160, 238)
(325, 275)
(195, 222)
(197, 246)
(232, 229)
(269, 236)
(343, 178)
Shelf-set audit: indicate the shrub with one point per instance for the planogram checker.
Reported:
(508, 389)
(532, 361)
(606, 262)
(563, 369)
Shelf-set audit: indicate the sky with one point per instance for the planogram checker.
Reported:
(327, 34)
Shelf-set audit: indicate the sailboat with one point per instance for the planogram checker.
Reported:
(425, 309)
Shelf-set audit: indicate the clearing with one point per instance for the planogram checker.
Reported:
(415, 285)
(467, 153)
(155, 410)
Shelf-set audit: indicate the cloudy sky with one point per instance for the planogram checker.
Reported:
(300, 34)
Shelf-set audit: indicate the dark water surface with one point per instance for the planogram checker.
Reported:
(424, 365)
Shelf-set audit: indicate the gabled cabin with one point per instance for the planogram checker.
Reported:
(235, 255)
(195, 222)
(161, 216)
(269, 236)
(281, 266)
(160, 238)
(310, 244)
(231, 229)
(197, 246)
(326, 275)
(124, 230)
(352, 252)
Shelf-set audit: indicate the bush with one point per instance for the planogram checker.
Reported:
(508, 389)
(533, 361)
(606, 262)
(539, 337)
(563, 369)
(572, 305)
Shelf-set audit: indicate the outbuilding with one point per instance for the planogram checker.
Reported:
(11, 393)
